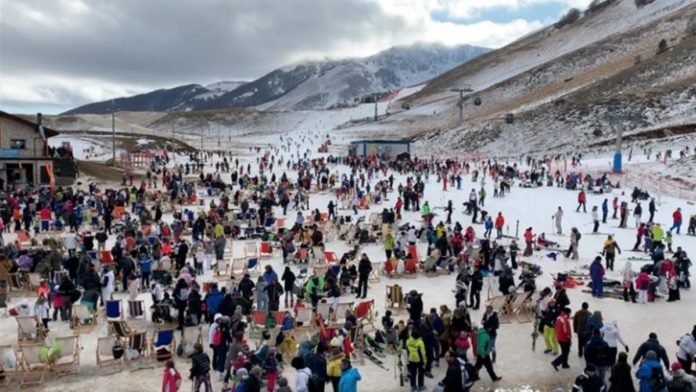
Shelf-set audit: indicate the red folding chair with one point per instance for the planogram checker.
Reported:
(330, 257)
(106, 257)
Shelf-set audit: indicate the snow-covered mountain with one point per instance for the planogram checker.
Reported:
(187, 97)
(310, 85)
(325, 84)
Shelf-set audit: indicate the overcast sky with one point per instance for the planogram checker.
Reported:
(59, 54)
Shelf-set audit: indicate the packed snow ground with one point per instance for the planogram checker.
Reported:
(521, 369)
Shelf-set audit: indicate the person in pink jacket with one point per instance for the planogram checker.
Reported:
(171, 379)
(643, 285)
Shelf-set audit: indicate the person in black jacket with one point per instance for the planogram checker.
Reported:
(274, 291)
(415, 306)
(597, 354)
(621, 379)
(589, 381)
(476, 287)
(195, 304)
(246, 286)
(652, 344)
(453, 378)
(200, 369)
(364, 269)
(288, 279)
(181, 255)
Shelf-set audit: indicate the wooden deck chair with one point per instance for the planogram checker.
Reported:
(278, 316)
(395, 297)
(114, 310)
(497, 303)
(253, 267)
(324, 310)
(82, 318)
(340, 315)
(305, 317)
(190, 336)
(30, 328)
(321, 269)
(266, 249)
(17, 282)
(23, 237)
(165, 264)
(69, 359)
(330, 257)
(105, 353)
(251, 249)
(375, 274)
(522, 307)
(138, 342)
(163, 345)
(222, 267)
(318, 256)
(239, 268)
(257, 320)
(506, 313)
(33, 369)
(365, 314)
(136, 309)
(120, 328)
(5, 352)
(34, 280)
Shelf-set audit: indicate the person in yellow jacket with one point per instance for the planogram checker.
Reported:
(333, 368)
(219, 230)
(658, 233)
(416, 359)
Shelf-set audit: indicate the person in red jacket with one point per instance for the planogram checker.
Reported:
(529, 240)
(499, 223)
(676, 220)
(171, 379)
(45, 216)
(564, 335)
(582, 200)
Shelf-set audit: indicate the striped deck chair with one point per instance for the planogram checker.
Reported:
(136, 309)
(106, 257)
(120, 328)
(138, 342)
(253, 267)
(257, 320)
(340, 315)
(278, 316)
(375, 274)
(33, 369)
(163, 345)
(395, 297)
(69, 355)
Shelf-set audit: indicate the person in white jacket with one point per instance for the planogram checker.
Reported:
(108, 277)
(303, 375)
(612, 336)
(687, 350)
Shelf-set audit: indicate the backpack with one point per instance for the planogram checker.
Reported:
(657, 379)
(105, 281)
(679, 385)
(578, 236)
(217, 338)
(314, 384)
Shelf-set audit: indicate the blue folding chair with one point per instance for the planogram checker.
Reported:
(114, 310)
(163, 345)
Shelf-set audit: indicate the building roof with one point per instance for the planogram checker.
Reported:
(402, 141)
(47, 131)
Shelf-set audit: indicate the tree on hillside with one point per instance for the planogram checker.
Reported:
(662, 46)
(570, 17)
(642, 3)
(691, 27)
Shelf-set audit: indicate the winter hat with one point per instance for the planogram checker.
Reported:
(651, 355)
(282, 382)
(676, 366)
(216, 317)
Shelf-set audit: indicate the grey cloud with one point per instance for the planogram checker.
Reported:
(164, 42)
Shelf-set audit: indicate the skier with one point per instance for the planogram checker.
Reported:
(595, 219)
(609, 252)
(582, 200)
(557, 218)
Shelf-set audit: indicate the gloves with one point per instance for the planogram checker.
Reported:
(626, 347)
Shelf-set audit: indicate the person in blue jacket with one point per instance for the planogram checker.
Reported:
(651, 374)
(145, 269)
(489, 227)
(349, 377)
(597, 276)
(213, 300)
